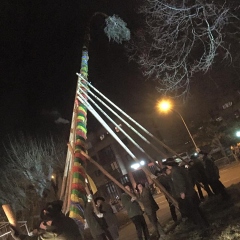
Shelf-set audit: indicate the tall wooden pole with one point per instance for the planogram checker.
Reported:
(78, 192)
(115, 29)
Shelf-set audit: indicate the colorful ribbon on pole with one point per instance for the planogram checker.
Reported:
(78, 192)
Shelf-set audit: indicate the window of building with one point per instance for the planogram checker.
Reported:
(106, 155)
(219, 119)
(124, 179)
(114, 165)
(102, 137)
(227, 105)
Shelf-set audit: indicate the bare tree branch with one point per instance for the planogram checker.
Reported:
(30, 163)
(179, 39)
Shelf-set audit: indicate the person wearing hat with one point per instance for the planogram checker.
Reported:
(54, 226)
(199, 177)
(185, 194)
(96, 223)
(150, 208)
(109, 216)
(166, 182)
(135, 213)
(212, 173)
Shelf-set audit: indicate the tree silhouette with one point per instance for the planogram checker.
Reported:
(181, 38)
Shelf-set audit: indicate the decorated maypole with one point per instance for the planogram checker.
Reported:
(76, 180)
(78, 192)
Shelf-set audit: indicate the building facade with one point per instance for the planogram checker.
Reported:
(106, 151)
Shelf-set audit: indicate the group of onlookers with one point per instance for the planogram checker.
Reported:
(135, 212)
(178, 181)
(53, 225)
(102, 221)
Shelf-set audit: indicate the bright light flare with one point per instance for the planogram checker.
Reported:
(238, 133)
(164, 105)
(135, 166)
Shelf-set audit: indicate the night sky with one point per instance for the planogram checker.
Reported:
(41, 44)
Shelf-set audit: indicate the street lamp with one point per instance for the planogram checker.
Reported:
(238, 133)
(165, 106)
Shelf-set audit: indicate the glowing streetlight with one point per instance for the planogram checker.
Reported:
(166, 105)
(238, 133)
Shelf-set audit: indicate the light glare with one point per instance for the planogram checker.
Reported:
(164, 105)
(135, 166)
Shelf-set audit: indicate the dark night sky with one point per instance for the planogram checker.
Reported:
(41, 44)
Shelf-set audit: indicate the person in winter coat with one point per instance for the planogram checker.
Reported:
(185, 194)
(97, 225)
(150, 208)
(212, 173)
(109, 216)
(165, 180)
(55, 226)
(197, 173)
(135, 213)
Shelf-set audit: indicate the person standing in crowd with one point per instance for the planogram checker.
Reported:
(165, 180)
(199, 177)
(109, 217)
(97, 225)
(135, 213)
(150, 208)
(185, 195)
(54, 226)
(213, 176)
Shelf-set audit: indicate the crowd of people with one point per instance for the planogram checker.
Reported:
(100, 218)
(180, 183)
(54, 225)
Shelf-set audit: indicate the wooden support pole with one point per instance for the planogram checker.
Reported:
(123, 188)
(92, 200)
(69, 157)
(10, 215)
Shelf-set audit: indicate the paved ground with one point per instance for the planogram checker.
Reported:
(229, 175)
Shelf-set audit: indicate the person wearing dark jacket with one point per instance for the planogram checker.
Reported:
(212, 173)
(165, 180)
(135, 213)
(150, 208)
(95, 223)
(199, 177)
(185, 194)
(109, 216)
(55, 226)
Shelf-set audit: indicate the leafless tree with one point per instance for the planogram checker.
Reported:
(29, 164)
(181, 38)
